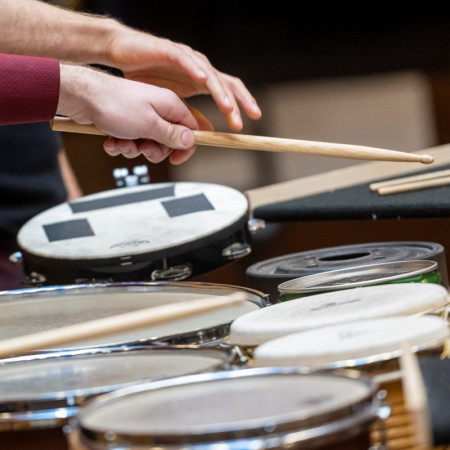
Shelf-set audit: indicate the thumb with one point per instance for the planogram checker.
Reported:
(172, 135)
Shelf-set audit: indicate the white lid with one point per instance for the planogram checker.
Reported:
(351, 344)
(336, 307)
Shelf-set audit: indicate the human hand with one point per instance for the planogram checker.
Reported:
(161, 62)
(114, 146)
(141, 118)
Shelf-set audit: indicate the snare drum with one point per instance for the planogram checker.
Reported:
(372, 346)
(32, 310)
(276, 408)
(421, 271)
(39, 393)
(350, 305)
(159, 232)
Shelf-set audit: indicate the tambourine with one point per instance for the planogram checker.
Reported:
(159, 232)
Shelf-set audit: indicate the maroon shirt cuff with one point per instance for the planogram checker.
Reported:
(29, 89)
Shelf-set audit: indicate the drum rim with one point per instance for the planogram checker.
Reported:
(216, 331)
(61, 405)
(312, 283)
(364, 411)
(255, 269)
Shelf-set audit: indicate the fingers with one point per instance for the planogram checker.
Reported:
(180, 156)
(243, 97)
(151, 150)
(125, 147)
(154, 152)
(225, 90)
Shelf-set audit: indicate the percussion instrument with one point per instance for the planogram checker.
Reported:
(332, 308)
(267, 275)
(32, 310)
(39, 393)
(240, 409)
(159, 232)
(372, 346)
(421, 271)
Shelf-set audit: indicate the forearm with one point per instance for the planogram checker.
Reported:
(33, 27)
(29, 89)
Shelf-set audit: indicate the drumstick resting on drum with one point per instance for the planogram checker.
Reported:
(415, 398)
(241, 141)
(115, 324)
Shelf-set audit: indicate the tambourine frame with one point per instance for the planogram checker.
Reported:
(53, 409)
(327, 425)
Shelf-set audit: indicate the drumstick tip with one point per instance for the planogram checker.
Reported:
(426, 159)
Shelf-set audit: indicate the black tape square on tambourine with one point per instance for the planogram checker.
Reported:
(68, 229)
(187, 205)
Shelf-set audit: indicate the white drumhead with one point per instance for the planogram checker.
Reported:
(332, 308)
(25, 312)
(133, 220)
(351, 344)
(222, 405)
(49, 377)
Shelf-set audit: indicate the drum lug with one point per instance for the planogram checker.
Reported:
(175, 273)
(34, 279)
(16, 258)
(256, 225)
(236, 250)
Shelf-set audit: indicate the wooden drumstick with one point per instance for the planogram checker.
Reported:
(415, 397)
(264, 143)
(116, 324)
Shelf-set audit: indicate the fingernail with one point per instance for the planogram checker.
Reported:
(256, 108)
(237, 118)
(226, 100)
(187, 139)
(148, 154)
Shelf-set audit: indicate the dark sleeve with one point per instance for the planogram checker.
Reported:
(29, 89)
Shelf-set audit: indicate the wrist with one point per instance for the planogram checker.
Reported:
(95, 37)
(76, 92)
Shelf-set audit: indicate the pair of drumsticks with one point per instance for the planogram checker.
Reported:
(412, 183)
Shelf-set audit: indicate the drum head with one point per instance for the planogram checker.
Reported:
(255, 404)
(353, 344)
(40, 387)
(33, 310)
(331, 308)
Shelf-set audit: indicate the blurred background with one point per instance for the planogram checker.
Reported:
(373, 74)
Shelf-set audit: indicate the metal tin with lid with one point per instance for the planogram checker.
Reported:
(415, 271)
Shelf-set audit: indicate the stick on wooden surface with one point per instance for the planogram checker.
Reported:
(414, 186)
(115, 324)
(410, 179)
(264, 143)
